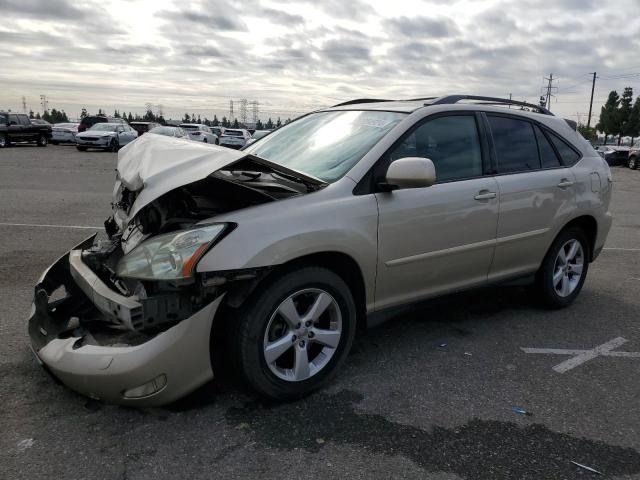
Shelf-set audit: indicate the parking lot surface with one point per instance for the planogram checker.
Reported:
(435, 393)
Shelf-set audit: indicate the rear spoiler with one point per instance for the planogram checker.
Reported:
(572, 124)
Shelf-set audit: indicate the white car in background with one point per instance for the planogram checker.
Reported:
(106, 136)
(200, 133)
(257, 135)
(234, 138)
(64, 133)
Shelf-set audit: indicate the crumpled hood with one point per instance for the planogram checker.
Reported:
(155, 164)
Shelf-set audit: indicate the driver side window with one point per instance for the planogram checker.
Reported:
(452, 143)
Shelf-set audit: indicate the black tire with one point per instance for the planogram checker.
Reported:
(54, 142)
(4, 141)
(205, 140)
(82, 149)
(544, 278)
(42, 141)
(633, 163)
(114, 145)
(251, 321)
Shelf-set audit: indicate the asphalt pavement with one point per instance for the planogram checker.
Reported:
(437, 393)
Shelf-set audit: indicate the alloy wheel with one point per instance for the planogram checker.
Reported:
(568, 268)
(302, 335)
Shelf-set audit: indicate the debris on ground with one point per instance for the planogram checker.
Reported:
(468, 354)
(319, 441)
(586, 468)
(521, 411)
(442, 345)
(26, 443)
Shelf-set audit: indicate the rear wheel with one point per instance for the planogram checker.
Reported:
(4, 141)
(564, 269)
(82, 149)
(633, 163)
(205, 140)
(295, 334)
(54, 142)
(42, 141)
(114, 145)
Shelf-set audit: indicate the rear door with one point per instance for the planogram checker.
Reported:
(536, 194)
(15, 128)
(440, 238)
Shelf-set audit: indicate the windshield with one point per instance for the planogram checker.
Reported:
(232, 133)
(162, 131)
(326, 144)
(104, 127)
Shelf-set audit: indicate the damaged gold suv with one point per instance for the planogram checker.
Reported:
(266, 260)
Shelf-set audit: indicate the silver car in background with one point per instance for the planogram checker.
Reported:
(64, 133)
(106, 136)
(264, 261)
(200, 133)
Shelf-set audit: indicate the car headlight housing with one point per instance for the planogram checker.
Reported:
(171, 256)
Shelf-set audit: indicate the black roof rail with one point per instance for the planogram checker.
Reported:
(362, 100)
(450, 99)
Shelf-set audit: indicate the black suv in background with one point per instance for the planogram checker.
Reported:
(87, 122)
(143, 127)
(17, 127)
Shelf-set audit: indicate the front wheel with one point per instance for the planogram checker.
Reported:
(114, 145)
(4, 141)
(633, 163)
(42, 141)
(205, 140)
(564, 269)
(82, 149)
(295, 334)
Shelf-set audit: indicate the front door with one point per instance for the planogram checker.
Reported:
(440, 238)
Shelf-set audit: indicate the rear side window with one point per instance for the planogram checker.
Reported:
(451, 143)
(24, 120)
(13, 120)
(515, 144)
(548, 156)
(568, 155)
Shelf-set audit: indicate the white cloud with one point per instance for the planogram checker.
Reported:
(294, 56)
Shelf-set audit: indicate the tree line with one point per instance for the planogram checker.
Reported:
(53, 116)
(620, 116)
(150, 116)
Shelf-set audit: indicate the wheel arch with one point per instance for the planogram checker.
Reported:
(589, 225)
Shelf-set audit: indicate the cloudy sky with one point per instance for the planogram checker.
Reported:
(296, 55)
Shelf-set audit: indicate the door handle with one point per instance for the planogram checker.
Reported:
(564, 183)
(485, 195)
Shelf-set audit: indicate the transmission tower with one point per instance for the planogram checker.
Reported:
(45, 103)
(24, 104)
(550, 89)
(255, 105)
(231, 110)
(243, 111)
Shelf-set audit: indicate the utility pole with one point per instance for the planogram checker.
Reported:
(593, 87)
(24, 104)
(231, 110)
(548, 96)
(45, 103)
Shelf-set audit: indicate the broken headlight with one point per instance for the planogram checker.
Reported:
(172, 256)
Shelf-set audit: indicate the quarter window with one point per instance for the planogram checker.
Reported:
(548, 156)
(515, 144)
(451, 143)
(568, 154)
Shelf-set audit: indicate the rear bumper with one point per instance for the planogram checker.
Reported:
(102, 361)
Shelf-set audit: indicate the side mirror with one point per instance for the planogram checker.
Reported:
(410, 172)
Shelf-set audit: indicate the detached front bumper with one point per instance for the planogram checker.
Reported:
(74, 341)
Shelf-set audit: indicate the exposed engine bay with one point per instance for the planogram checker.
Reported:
(163, 303)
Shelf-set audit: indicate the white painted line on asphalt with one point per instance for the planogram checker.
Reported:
(81, 227)
(623, 249)
(582, 356)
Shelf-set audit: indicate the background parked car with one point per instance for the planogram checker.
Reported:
(614, 155)
(257, 135)
(106, 136)
(88, 122)
(200, 133)
(17, 127)
(143, 127)
(634, 156)
(218, 131)
(64, 133)
(234, 138)
(170, 132)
